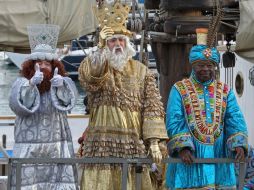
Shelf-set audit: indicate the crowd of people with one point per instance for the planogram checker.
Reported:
(126, 118)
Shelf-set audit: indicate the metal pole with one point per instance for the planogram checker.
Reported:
(125, 162)
(9, 176)
(18, 176)
(4, 146)
(124, 176)
(242, 171)
(143, 34)
(138, 170)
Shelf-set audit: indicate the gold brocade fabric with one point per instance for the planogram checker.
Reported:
(110, 179)
(125, 111)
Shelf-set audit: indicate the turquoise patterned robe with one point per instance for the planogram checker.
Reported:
(206, 118)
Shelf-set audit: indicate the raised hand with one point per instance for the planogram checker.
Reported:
(38, 75)
(57, 79)
(105, 33)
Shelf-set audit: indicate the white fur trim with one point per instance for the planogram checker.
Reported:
(117, 36)
(42, 56)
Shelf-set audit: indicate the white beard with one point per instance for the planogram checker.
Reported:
(117, 60)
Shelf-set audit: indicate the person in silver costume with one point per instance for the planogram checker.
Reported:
(41, 98)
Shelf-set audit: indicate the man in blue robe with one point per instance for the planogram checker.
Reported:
(204, 121)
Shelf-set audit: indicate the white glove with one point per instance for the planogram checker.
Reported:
(105, 33)
(154, 151)
(38, 75)
(57, 79)
(154, 167)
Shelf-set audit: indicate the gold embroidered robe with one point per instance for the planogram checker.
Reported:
(125, 111)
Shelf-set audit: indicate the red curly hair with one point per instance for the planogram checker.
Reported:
(28, 68)
(28, 72)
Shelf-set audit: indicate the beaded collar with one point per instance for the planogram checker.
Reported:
(192, 93)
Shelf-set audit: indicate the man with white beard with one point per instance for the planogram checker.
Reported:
(116, 52)
(126, 114)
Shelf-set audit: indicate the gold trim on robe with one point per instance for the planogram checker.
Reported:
(125, 111)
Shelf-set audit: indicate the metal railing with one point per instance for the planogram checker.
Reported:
(137, 163)
(18, 162)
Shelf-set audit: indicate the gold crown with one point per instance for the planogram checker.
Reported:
(114, 16)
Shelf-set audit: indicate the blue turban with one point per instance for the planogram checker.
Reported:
(204, 53)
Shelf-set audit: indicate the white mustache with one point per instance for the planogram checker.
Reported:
(117, 47)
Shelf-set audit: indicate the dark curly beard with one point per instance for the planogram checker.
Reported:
(45, 84)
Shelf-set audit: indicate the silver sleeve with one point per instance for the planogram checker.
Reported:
(64, 98)
(24, 99)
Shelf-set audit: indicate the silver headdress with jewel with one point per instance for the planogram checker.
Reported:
(43, 40)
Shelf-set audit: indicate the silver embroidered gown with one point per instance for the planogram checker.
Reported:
(42, 131)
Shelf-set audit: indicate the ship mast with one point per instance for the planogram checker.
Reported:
(172, 33)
